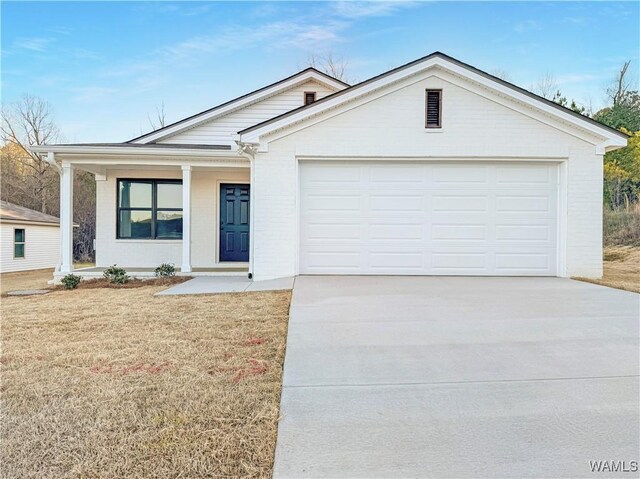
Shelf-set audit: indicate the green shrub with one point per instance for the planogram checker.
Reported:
(166, 269)
(71, 281)
(116, 275)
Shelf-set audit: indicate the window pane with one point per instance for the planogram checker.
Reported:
(135, 224)
(18, 235)
(134, 194)
(18, 250)
(169, 224)
(169, 195)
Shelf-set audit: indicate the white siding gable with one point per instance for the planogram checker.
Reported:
(220, 131)
(42, 247)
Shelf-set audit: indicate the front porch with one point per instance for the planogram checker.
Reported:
(157, 204)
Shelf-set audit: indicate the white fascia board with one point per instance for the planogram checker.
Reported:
(88, 163)
(133, 151)
(613, 141)
(241, 103)
(27, 223)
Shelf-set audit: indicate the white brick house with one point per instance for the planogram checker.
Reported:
(432, 168)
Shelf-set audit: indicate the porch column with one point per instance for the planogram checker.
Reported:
(66, 218)
(252, 207)
(186, 219)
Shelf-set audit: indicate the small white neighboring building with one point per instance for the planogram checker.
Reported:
(28, 239)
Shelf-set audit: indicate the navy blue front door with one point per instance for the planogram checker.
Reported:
(234, 222)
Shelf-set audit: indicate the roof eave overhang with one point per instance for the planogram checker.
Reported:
(610, 139)
(17, 221)
(64, 151)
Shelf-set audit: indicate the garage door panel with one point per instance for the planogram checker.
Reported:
(401, 176)
(329, 231)
(447, 219)
(454, 262)
(527, 263)
(523, 203)
(525, 175)
(516, 232)
(459, 232)
(460, 203)
(320, 176)
(400, 203)
(336, 261)
(462, 174)
(404, 260)
(328, 202)
(399, 231)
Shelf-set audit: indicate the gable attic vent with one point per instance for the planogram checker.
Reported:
(309, 97)
(434, 109)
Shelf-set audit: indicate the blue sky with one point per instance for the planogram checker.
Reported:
(105, 66)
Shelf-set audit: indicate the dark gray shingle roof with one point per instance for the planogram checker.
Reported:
(9, 211)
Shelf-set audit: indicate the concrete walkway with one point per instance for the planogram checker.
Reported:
(226, 284)
(457, 377)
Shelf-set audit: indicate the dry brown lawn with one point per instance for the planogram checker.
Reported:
(621, 268)
(118, 383)
(36, 279)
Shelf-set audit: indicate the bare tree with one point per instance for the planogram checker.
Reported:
(84, 213)
(546, 86)
(327, 63)
(159, 119)
(28, 180)
(588, 109)
(34, 183)
(621, 86)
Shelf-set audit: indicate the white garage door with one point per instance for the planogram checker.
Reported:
(392, 217)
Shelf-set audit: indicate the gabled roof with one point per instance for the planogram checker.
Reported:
(252, 133)
(11, 212)
(303, 76)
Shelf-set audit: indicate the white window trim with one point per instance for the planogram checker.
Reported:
(23, 243)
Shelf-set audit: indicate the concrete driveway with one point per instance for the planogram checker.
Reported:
(458, 377)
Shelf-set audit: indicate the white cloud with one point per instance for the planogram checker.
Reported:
(578, 20)
(193, 11)
(36, 44)
(526, 26)
(358, 9)
(295, 33)
(92, 93)
(576, 78)
(322, 28)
